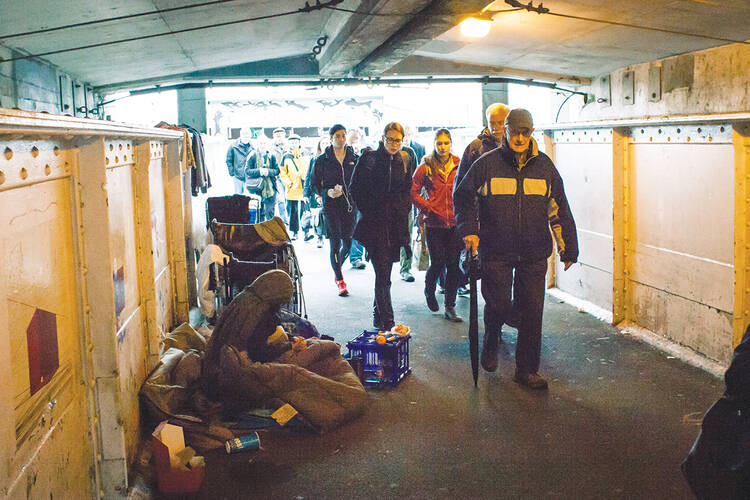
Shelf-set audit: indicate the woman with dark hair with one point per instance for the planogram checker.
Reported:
(432, 194)
(318, 221)
(332, 172)
(381, 187)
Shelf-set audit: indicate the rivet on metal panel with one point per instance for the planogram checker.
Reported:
(56, 151)
(47, 170)
(2, 177)
(34, 152)
(23, 173)
(8, 153)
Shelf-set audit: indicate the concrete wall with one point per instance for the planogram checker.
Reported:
(32, 85)
(706, 82)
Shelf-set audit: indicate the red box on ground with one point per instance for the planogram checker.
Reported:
(173, 480)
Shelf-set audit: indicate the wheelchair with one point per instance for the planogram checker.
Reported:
(252, 249)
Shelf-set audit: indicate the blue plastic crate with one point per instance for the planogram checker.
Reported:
(382, 364)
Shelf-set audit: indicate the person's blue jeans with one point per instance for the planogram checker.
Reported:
(357, 252)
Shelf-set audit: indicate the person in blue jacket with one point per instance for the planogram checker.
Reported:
(381, 188)
(505, 206)
(261, 172)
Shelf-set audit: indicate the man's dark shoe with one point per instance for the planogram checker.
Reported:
(530, 380)
(463, 291)
(488, 358)
(450, 315)
(309, 236)
(432, 303)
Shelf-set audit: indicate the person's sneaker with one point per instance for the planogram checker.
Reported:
(358, 264)
(406, 276)
(488, 358)
(294, 236)
(432, 303)
(343, 292)
(450, 315)
(320, 243)
(530, 380)
(309, 236)
(441, 290)
(463, 291)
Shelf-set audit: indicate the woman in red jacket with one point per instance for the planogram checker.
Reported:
(432, 193)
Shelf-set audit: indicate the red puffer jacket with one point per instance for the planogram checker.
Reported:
(432, 192)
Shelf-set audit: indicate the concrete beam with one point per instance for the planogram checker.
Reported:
(426, 66)
(191, 108)
(304, 66)
(433, 20)
(362, 34)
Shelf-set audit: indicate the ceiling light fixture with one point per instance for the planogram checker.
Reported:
(476, 26)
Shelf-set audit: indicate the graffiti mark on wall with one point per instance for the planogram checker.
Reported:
(41, 339)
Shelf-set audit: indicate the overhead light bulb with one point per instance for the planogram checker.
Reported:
(473, 27)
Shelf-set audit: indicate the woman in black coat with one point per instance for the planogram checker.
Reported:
(331, 174)
(381, 187)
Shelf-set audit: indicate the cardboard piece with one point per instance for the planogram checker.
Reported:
(178, 470)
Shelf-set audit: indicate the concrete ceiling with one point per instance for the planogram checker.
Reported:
(404, 37)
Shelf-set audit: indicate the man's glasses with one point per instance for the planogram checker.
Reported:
(395, 142)
(524, 132)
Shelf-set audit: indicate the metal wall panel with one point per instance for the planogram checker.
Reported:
(122, 232)
(584, 160)
(76, 314)
(159, 233)
(683, 239)
(131, 332)
(46, 450)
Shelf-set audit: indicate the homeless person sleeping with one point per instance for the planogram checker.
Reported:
(242, 369)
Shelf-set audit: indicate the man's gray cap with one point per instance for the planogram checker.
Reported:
(519, 118)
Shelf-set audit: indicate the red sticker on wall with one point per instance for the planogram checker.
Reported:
(41, 339)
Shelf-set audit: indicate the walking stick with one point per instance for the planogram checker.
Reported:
(472, 263)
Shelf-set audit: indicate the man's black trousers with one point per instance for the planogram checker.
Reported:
(497, 281)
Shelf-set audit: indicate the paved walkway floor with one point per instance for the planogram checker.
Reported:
(618, 418)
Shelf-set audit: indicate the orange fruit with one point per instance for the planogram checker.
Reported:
(381, 339)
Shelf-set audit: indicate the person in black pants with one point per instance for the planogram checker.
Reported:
(381, 186)
(318, 220)
(507, 206)
(261, 172)
(432, 194)
(332, 172)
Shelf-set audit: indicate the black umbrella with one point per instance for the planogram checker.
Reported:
(472, 264)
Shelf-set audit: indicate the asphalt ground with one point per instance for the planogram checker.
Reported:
(616, 422)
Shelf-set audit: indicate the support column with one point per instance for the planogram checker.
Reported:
(741, 141)
(493, 92)
(100, 323)
(191, 108)
(620, 224)
(180, 232)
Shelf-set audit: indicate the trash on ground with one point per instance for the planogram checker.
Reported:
(178, 468)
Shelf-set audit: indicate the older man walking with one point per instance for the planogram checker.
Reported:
(505, 206)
